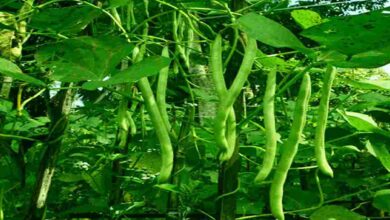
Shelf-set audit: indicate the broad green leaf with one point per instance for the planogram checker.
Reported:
(64, 20)
(306, 18)
(370, 84)
(335, 212)
(8, 68)
(83, 58)
(361, 121)
(364, 122)
(382, 200)
(370, 59)
(147, 67)
(377, 147)
(353, 35)
(270, 32)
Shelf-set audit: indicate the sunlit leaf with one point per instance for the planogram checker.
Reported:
(370, 84)
(8, 68)
(363, 39)
(147, 67)
(306, 18)
(270, 32)
(382, 200)
(377, 147)
(361, 121)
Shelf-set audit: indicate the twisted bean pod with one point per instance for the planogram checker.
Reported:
(270, 130)
(225, 104)
(216, 68)
(319, 141)
(290, 148)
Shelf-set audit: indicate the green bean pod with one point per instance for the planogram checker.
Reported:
(225, 104)
(319, 141)
(216, 66)
(270, 128)
(158, 123)
(161, 91)
(216, 69)
(290, 148)
(161, 131)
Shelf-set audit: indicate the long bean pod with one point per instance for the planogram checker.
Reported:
(227, 102)
(161, 131)
(270, 128)
(161, 91)
(158, 124)
(290, 148)
(216, 68)
(319, 141)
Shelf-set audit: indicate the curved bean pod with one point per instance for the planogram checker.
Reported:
(319, 141)
(161, 131)
(216, 69)
(158, 124)
(161, 92)
(270, 128)
(225, 104)
(290, 148)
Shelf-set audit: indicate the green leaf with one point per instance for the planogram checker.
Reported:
(147, 67)
(270, 32)
(306, 18)
(271, 62)
(369, 59)
(364, 39)
(382, 200)
(377, 147)
(370, 84)
(335, 213)
(361, 121)
(64, 20)
(8, 68)
(83, 58)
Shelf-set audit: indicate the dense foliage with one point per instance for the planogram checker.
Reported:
(179, 109)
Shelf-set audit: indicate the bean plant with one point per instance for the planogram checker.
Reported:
(217, 109)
